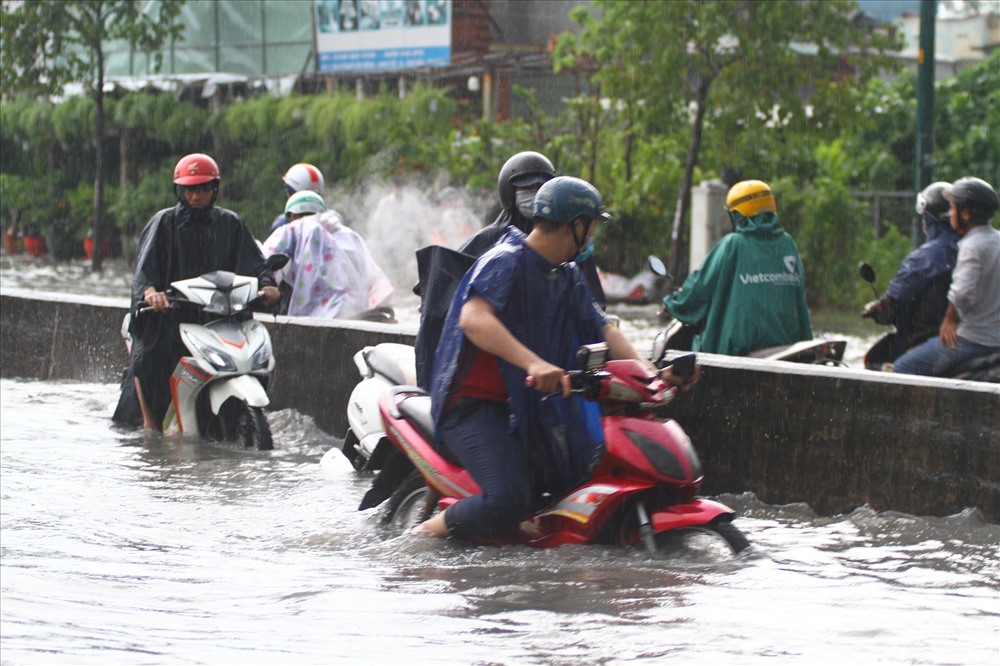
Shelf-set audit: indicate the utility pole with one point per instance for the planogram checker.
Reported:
(923, 160)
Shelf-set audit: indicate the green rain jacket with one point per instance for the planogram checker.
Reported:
(748, 294)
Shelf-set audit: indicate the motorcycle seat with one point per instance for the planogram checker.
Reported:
(981, 368)
(416, 409)
(394, 361)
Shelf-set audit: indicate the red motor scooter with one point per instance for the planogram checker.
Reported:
(643, 490)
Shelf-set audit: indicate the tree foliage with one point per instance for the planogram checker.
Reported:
(48, 44)
(740, 74)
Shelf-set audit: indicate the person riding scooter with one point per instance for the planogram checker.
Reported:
(520, 315)
(749, 293)
(192, 238)
(331, 273)
(440, 269)
(917, 297)
(970, 328)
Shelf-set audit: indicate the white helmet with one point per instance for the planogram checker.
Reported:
(305, 203)
(303, 176)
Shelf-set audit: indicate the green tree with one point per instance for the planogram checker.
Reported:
(49, 43)
(743, 67)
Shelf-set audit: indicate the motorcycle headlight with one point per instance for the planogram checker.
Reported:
(220, 360)
(261, 358)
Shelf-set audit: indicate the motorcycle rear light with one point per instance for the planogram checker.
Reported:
(663, 459)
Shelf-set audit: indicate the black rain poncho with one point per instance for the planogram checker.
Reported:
(176, 244)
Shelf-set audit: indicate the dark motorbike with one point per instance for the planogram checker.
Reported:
(884, 351)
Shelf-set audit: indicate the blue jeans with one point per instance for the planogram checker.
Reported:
(932, 359)
(477, 433)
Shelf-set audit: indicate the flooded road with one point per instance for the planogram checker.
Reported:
(130, 549)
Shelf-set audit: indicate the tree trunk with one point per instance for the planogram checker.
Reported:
(684, 196)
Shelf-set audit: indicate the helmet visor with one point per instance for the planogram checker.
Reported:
(529, 179)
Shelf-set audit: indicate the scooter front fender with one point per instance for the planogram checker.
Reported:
(242, 387)
(692, 514)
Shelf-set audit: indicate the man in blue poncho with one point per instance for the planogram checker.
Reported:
(523, 310)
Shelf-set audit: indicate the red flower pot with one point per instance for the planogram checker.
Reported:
(35, 245)
(88, 247)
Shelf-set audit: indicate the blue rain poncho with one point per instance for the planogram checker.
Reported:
(550, 310)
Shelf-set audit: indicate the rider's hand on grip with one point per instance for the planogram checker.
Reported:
(155, 300)
(547, 378)
(682, 378)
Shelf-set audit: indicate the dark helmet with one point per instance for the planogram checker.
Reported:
(975, 195)
(932, 200)
(521, 170)
(563, 199)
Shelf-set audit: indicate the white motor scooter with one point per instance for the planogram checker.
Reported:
(230, 356)
(382, 367)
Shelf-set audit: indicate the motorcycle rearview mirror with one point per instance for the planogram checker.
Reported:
(657, 266)
(276, 261)
(867, 274)
(659, 350)
(592, 356)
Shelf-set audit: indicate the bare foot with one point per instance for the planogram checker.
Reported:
(434, 526)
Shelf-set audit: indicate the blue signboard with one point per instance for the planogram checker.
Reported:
(382, 35)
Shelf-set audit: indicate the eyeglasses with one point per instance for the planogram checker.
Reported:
(201, 187)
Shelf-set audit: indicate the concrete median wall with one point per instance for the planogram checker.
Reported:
(834, 438)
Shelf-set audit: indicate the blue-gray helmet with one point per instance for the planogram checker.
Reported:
(564, 198)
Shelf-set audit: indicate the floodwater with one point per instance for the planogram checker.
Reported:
(129, 548)
(125, 548)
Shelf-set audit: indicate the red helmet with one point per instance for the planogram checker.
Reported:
(195, 169)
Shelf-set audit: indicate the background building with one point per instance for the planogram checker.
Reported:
(228, 45)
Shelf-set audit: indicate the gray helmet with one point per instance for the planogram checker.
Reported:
(975, 195)
(563, 199)
(932, 200)
(521, 170)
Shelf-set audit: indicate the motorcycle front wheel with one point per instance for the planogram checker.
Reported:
(717, 540)
(245, 425)
(409, 505)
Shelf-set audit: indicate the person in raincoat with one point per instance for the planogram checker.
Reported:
(749, 293)
(192, 238)
(917, 297)
(519, 179)
(971, 325)
(439, 270)
(330, 271)
(521, 312)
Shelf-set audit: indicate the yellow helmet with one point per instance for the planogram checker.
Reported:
(751, 197)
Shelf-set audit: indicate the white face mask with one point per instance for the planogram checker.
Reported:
(525, 201)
